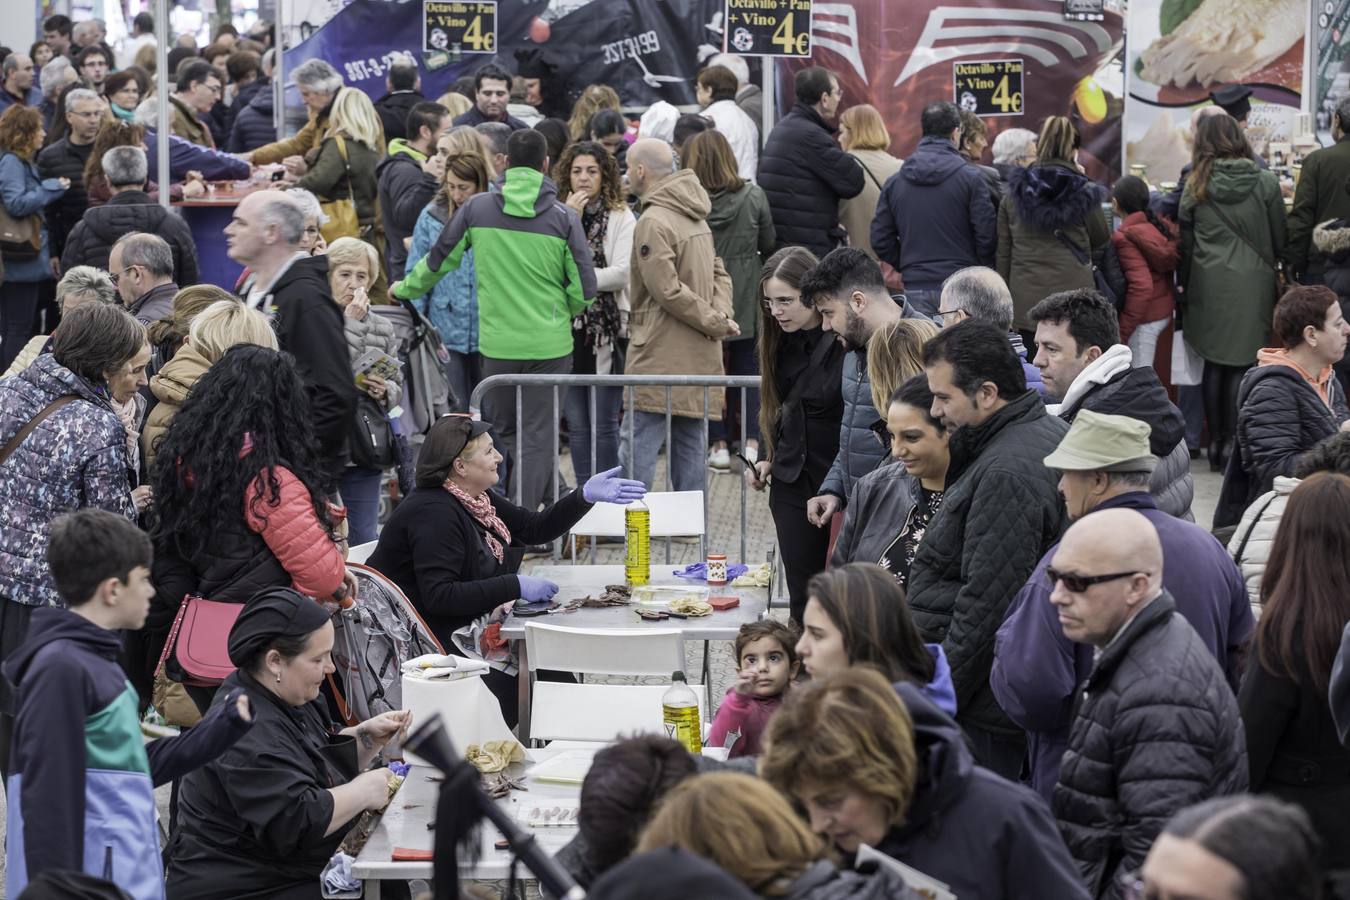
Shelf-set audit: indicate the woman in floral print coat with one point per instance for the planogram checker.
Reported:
(75, 455)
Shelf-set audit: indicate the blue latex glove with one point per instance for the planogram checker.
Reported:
(608, 487)
(536, 590)
(699, 571)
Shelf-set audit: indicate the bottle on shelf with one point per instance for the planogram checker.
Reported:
(679, 712)
(637, 527)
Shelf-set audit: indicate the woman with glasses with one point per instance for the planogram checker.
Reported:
(1293, 747)
(24, 194)
(1232, 848)
(801, 405)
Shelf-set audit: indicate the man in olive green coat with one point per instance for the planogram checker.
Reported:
(1321, 195)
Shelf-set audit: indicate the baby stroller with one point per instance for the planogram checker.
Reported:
(373, 638)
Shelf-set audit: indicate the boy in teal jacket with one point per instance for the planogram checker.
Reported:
(81, 793)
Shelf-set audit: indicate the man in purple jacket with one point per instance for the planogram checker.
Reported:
(1106, 464)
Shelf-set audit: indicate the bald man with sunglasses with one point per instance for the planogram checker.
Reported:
(1105, 464)
(1156, 727)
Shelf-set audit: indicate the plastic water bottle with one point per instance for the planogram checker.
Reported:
(679, 712)
(637, 526)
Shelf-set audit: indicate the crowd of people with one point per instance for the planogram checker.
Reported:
(1012, 660)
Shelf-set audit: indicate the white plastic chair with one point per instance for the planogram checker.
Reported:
(599, 712)
(604, 651)
(674, 514)
(361, 552)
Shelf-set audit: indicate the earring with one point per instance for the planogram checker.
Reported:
(278, 678)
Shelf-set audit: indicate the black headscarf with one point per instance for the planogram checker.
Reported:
(270, 614)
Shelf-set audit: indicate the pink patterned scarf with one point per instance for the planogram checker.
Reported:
(480, 508)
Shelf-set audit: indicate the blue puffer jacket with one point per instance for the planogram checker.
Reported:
(859, 450)
(452, 305)
(252, 125)
(74, 458)
(935, 216)
(24, 193)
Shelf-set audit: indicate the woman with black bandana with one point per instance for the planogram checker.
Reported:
(589, 183)
(263, 820)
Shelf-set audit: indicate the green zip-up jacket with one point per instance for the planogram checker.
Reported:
(532, 263)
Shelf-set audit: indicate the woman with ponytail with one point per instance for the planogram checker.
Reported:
(1147, 246)
(1232, 236)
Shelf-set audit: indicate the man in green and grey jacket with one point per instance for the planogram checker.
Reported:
(534, 271)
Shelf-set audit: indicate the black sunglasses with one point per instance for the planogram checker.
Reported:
(1080, 583)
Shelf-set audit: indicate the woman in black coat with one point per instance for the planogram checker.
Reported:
(262, 821)
(448, 544)
(801, 404)
(893, 772)
(1293, 747)
(1290, 401)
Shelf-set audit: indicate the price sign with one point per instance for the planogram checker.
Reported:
(1085, 10)
(767, 27)
(989, 87)
(459, 26)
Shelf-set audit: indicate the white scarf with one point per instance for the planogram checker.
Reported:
(1115, 360)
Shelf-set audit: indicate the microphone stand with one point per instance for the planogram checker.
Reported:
(431, 742)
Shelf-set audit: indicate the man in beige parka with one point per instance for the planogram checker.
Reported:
(681, 298)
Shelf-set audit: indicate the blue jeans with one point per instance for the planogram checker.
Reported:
(463, 371)
(687, 460)
(577, 408)
(926, 299)
(360, 490)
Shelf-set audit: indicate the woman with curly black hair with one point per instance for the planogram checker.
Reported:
(237, 491)
(588, 182)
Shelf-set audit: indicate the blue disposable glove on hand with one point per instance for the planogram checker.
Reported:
(608, 487)
(536, 590)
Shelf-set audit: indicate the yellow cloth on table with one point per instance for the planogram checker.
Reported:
(689, 607)
(494, 756)
(757, 577)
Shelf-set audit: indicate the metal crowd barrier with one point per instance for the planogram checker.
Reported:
(629, 383)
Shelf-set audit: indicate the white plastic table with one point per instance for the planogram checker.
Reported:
(579, 581)
(404, 824)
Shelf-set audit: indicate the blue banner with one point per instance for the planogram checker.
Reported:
(647, 50)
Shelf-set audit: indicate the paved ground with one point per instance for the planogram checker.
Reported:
(724, 498)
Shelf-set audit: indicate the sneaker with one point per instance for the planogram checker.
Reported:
(751, 453)
(720, 460)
